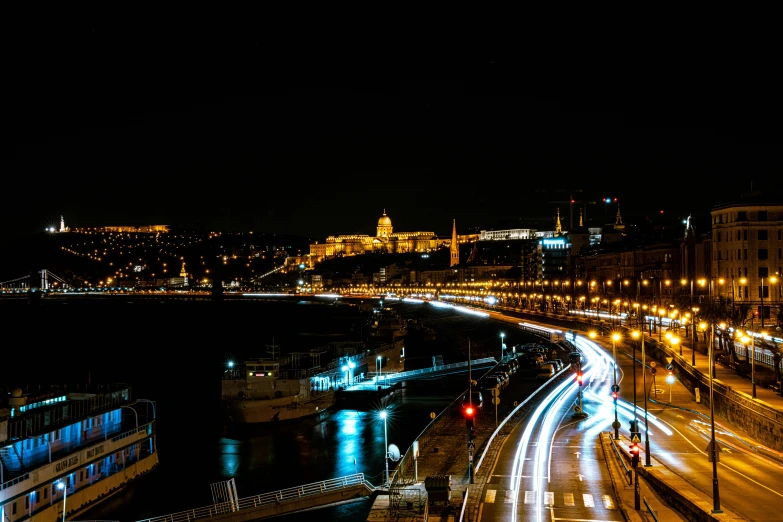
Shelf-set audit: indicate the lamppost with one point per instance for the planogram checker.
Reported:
(502, 346)
(640, 335)
(750, 351)
(713, 447)
(379, 360)
(61, 485)
(384, 414)
(695, 309)
(616, 424)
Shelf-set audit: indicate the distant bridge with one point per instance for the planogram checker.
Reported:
(43, 280)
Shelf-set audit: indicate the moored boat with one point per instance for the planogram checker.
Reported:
(276, 389)
(63, 452)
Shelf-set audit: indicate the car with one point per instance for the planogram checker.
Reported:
(557, 363)
(476, 398)
(488, 382)
(545, 371)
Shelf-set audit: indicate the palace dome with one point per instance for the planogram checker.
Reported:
(385, 221)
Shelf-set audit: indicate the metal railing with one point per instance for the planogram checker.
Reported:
(274, 497)
(628, 472)
(650, 509)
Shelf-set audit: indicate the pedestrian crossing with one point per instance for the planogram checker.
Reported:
(549, 498)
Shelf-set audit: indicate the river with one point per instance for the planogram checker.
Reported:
(174, 354)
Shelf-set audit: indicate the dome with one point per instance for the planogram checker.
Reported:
(16, 393)
(385, 221)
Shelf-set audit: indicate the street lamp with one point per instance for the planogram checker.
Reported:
(713, 446)
(61, 485)
(379, 359)
(383, 415)
(747, 341)
(693, 334)
(640, 335)
(502, 346)
(616, 424)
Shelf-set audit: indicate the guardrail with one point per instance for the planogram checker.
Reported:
(308, 490)
(628, 472)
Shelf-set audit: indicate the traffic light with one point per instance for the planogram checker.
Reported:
(635, 453)
(579, 377)
(615, 395)
(469, 412)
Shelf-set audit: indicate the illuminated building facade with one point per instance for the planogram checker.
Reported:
(385, 240)
(147, 229)
(747, 249)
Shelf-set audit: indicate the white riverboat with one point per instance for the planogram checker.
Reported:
(277, 389)
(63, 452)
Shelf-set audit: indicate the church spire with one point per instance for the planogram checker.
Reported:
(618, 223)
(454, 245)
(558, 228)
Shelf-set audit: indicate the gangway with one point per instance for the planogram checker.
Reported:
(379, 378)
(281, 502)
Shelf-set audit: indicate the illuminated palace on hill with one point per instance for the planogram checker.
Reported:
(385, 240)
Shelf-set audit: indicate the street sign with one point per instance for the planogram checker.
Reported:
(495, 391)
(577, 409)
(652, 364)
(635, 437)
(652, 371)
(495, 400)
(471, 445)
(669, 360)
(615, 387)
(669, 367)
(709, 451)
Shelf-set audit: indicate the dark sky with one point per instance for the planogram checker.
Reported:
(225, 130)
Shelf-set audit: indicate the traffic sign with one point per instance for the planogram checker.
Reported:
(652, 371)
(635, 437)
(669, 360)
(616, 425)
(495, 391)
(669, 367)
(652, 364)
(495, 400)
(577, 409)
(615, 387)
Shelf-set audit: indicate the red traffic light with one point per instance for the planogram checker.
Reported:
(579, 378)
(614, 395)
(635, 448)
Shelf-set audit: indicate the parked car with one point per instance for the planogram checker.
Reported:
(488, 382)
(476, 398)
(545, 371)
(503, 376)
(557, 363)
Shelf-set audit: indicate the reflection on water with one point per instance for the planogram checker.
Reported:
(271, 457)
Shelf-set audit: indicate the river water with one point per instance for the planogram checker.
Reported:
(174, 355)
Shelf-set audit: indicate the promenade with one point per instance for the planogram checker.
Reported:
(443, 451)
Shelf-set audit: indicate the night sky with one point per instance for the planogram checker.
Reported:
(224, 130)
